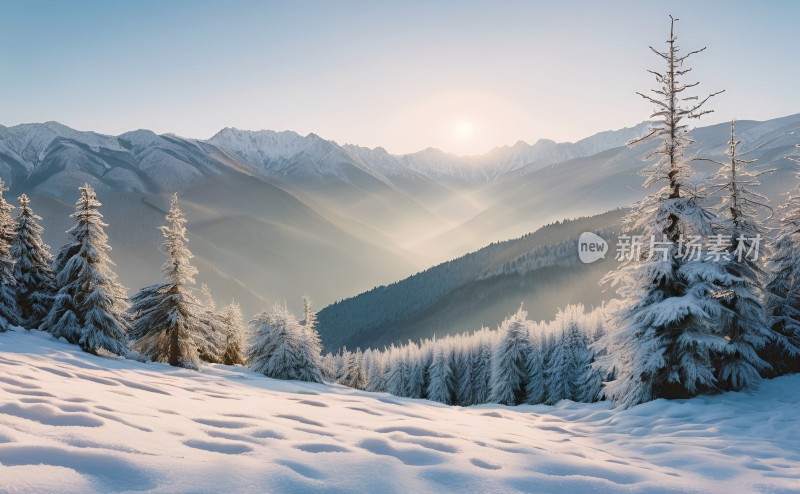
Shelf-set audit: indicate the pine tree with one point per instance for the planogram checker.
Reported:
(783, 292)
(9, 313)
(744, 321)
(35, 283)
(280, 349)
(441, 382)
(167, 317)
(570, 358)
(510, 360)
(353, 375)
(666, 333)
(211, 345)
(482, 368)
(231, 318)
(535, 387)
(90, 306)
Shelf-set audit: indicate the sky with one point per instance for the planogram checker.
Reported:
(461, 76)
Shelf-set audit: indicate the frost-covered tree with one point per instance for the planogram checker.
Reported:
(482, 367)
(353, 374)
(665, 332)
(744, 320)
(535, 387)
(90, 306)
(440, 377)
(35, 284)
(280, 349)
(9, 313)
(465, 388)
(783, 292)
(571, 356)
(231, 318)
(510, 360)
(168, 317)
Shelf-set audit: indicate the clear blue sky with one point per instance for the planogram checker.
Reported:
(463, 76)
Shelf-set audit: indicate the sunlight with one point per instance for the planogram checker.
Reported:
(463, 130)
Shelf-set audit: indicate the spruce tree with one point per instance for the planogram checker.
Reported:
(570, 357)
(167, 318)
(535, 387)
(90, 306)
(441, 382)
(510, 360)
(231, 318)
(9, 313)
(353, 373)
(738, 365)
(35, 284)
(783, 292)
(665, 332)
(280, 348)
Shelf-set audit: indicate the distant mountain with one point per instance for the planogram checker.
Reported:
(541, 270)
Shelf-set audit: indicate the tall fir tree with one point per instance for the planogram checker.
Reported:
(90, 306)
(231, 318)
(168, 317)
(353, 373)
(441, 381)
(783, 292)
(510, 360)
(739, 366)
(9, 313)
(666, 333)
(35, 283)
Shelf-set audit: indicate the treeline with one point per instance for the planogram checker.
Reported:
(521, 362)
(75, 296)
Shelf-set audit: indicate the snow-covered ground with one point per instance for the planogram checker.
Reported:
(72, 422)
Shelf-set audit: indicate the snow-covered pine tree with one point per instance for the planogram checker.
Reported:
(570, 358)
(35, 283)
(280, 349)
(231, 317)
(415, 371)
(353, 375)
(738, 365)
(665, 333)
(397, 373)
(90, 307)
(167, 317)
(440, 376)
(376, 381)
(211, 346)
(482, 368)
(510, 360)
(535, 387)
(783, 292)
(9, 313)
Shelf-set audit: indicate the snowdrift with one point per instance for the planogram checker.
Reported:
(73, 422)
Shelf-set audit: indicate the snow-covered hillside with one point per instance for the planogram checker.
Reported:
(72, 422)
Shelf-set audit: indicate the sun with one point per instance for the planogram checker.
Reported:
(463, 130)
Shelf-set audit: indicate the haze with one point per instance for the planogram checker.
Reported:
(403, 76)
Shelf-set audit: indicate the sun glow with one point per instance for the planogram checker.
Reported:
(463, 130)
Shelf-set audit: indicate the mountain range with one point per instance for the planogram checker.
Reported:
(274, 215)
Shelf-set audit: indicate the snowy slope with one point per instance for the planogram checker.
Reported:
(72, 422)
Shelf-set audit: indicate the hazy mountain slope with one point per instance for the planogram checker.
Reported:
(530, 197)
(252, 241)
(477, 289)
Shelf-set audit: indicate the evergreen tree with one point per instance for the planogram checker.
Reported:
(35, 284)
(570, 358)
(535, 387)
(353, 375)
(440, 374)
(482, 368)
(783, 292)
(666, 333)
(167, 317)
(231, 318)
(744, 321)
(90, 306)
(211, 344)
(9, 313)
(280, 348)
(510, 360)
